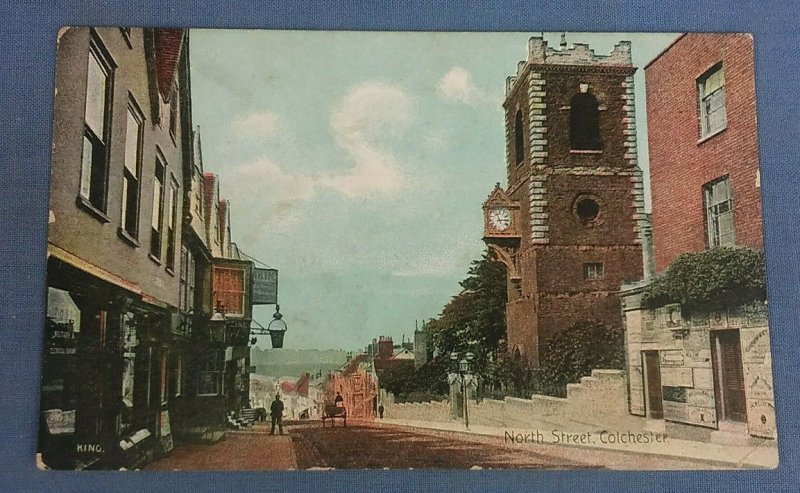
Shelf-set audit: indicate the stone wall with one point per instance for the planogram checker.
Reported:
(418, 411)
(686, 367)
(598, 400)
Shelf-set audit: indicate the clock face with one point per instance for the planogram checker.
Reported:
(500, 218)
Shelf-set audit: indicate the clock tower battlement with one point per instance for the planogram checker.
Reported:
(573, 175)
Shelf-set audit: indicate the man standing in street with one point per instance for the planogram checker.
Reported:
(276, 412)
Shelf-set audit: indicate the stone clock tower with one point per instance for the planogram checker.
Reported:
(568, 224)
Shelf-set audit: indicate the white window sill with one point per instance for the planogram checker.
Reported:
(712, 134)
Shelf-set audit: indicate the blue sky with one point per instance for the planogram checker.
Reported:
(357, 162)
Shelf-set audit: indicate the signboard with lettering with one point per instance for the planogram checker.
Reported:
(672, 357)
(761, 418)
(265, 286)
(755, 345)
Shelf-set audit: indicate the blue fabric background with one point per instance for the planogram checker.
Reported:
(27, 47)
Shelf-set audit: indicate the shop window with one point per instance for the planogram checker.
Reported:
(209, 381)
(96, 129)
(719, 213)
(519, 138)
(711, 98)
(131, 175)
(158, 209)
(584, 123)
(593, 271)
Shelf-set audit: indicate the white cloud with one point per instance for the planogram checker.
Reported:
(363, 119)
(287, 186)
(366, 116)
(456, 85)
(260, 124)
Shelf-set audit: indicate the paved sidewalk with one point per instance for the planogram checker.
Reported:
(250, 450)
(761, 456)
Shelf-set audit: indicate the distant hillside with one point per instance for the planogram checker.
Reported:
(294, 362)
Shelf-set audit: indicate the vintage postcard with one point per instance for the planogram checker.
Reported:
(495, 250)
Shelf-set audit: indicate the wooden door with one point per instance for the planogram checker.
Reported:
(652, 377)
(728, 375)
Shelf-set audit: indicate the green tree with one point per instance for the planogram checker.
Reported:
(574, 352)
(474, 320)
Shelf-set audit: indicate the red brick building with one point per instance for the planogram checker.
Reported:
(707, 373)
(567, 226)
(703, 146)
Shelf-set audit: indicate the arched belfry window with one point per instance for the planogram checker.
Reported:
(584, 125)
(519, 138)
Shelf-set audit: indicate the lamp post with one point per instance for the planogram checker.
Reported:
(462, 368)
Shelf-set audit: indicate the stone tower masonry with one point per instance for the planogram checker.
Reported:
(574, 200)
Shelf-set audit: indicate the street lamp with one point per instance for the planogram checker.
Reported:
(216, 325)
(462, 369)
(276, 329)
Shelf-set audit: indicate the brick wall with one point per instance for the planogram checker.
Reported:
(560, 87)
(680, 163)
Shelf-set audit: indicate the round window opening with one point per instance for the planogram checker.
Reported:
(587, 209)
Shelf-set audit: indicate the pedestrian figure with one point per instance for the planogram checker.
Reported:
(276, 412)
(380, 410)
(339, 400)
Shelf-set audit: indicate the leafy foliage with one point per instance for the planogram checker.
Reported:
(475, 319)
(511, 375)
(713, 279)
(575, 352)
(410, 384)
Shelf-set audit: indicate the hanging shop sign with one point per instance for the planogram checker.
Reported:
(265, 286)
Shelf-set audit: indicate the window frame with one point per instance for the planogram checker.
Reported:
(593, 271)
(584, 123)
(519, 137)
(209, 366)
(156, 234)
(174, 113)
(714, 236)
(97, 162)
(217, 292)
(132, 234)
(703, 100)
(172, 222)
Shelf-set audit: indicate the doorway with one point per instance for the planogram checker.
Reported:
(652, 384)
(726, 356)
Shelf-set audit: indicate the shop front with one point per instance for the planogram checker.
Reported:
(104, 353)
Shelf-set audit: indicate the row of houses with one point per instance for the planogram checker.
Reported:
(149, 300)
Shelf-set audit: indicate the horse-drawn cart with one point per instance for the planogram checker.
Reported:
(334, 412)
